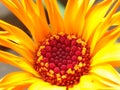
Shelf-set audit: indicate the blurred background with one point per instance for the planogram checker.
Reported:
(7, 16)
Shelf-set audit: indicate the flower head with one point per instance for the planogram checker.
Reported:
(75, 52)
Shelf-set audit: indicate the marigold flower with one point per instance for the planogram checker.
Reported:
(76, 52)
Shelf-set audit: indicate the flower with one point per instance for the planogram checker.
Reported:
(75, 52)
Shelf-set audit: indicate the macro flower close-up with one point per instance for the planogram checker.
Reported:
(77, 50)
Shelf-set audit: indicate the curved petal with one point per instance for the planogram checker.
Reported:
(87, 82)
(25, 10)
(94, 17)
(108, 39)
(74, 16)
(41, 85)
(17, 61)
(108, 73)
(103, 27)
(109, 54)
(91, 3)
(54, 16)
(28, 55)
(116, 18)
(16, 80)
(19, 34)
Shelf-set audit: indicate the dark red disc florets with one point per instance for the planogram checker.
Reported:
(62, 59)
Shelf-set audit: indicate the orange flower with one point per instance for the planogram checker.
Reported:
(76, 52)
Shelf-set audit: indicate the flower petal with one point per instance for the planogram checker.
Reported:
(41, 85)
(54, 16)
(87, 82)
(73, 10)
(109, 54)
(94, 17)
(19, 34)
(16, 79)
(103, 27)
(108, 73)
(17, 48)
(24, 10)
(17, 62)
(108, 39)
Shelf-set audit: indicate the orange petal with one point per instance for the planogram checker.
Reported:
(116, 18)
(87, 82)
(94, 17)
(35, 24)
(103, 27)
(110, 76)
(41, 85)
(54, 16)
(72, 12)
(18, 33)
(91, 3)
(16, 80)
(108, 39)
(17, 48)
(39, 24)
(109, 54)
(17, 61)
(41, 9)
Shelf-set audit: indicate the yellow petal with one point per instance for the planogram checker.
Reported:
(19, 34)
(17, 62)
(107, 72)
(35, 24)
(108, 39)
(91, 2)
(94, 17)
(27, 54)
(41, 85)
(103, 27)
(108, 54)
(38, 23)
(73, 9)
(54, 16)
(116, 18)
(17, 79)
(41, 9)
(87, 82)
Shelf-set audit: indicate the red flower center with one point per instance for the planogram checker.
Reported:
(62, 59)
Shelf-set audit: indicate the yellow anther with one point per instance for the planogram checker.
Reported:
(58, 75)
(51, 71)
(80, 64)
(83, 51)
(58, 79)
(40, 58)
(84, 64)
(41, 47)
(69, 71)
(78, 41)
(64, 76)
(51, 38)
(69, 37)
(47, 43)
(73, 36)
(46, 64)
(49, 74)
(83, 43)
(57, 37)
(76, 67)
(38, 53)
(61, 33)
(79, 58)
(42, 64)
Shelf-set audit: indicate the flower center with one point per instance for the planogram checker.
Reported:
(62, 59)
